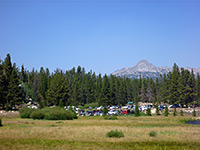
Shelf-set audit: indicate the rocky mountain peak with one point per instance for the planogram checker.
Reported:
(144, 65)
(145, 69)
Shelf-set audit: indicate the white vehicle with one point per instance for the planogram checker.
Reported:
(125, 107)
(144, 107)
(113, 107)
(112, 112)
(100, 108)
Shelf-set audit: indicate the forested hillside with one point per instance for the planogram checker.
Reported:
(78, 87)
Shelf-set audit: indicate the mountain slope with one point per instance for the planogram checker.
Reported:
(146, 69)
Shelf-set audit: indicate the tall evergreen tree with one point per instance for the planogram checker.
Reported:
(150, 93)
(58, 90)
(174, 95)
(105, 92)
(143, 94)
(14, 94)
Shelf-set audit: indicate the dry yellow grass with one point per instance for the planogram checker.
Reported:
(90, 133)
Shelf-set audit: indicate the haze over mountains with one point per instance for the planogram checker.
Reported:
(146, 69)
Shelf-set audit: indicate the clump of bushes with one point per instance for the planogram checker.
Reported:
(115, 134)
(55, 113)
(152, 133)
(0, 123)
(111, 117)
(38, 114)
(26, 112)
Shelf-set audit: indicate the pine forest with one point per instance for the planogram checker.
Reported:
(77, 87)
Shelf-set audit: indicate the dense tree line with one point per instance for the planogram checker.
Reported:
(76, 87)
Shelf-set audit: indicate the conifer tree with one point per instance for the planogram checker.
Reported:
(174, 113)
(149, 94)
(14, 94)
(58, 90)
(105, 92)
(166, 111)
(175, 94)
(148, 112)
(197, 88)
(157, 110)
(137, 112)
(194, 113)
(143, 94)
(181, 112)
(2, 85)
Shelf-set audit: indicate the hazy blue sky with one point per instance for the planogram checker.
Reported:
(100, 35)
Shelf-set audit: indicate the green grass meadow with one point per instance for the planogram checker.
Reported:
(89, 133)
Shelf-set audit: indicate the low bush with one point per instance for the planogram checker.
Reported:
(38, 114)
(115, 133)
(55, 113)
(152, 133)
(0, 123)
(111, 117)
(26, 112)
(58, 113)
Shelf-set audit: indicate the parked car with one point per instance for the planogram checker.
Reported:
(98, 113)
(164, 106)
(125, 112)
(144, 107)
(177, 106)
(125, 107)
(90, 113)
(82, 113)
(112, 112)
(100, 108)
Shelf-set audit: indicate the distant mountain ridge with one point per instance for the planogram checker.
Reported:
(146, 69)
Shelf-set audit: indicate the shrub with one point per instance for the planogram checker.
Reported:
(137, 112)
(181, 112)
(0, 123)
(73, 114)
(194, 113)
(58, 113)
(111, 118)
(26, 112)
(55, 113)
(38, 114)
(166, 111)
(148, 112)
(115, 133)
(152, 133)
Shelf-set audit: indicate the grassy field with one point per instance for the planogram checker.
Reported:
(88, 133)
